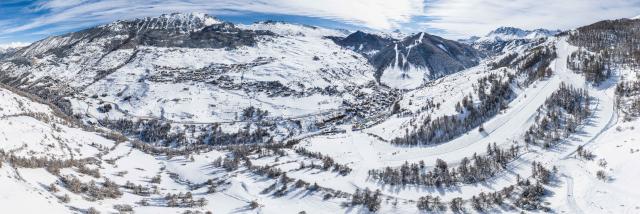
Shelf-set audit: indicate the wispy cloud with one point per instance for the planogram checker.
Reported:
(58, 4)
(376, 14)
(26, 20)
(13, 45)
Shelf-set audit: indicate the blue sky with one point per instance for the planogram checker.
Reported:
(30, 20)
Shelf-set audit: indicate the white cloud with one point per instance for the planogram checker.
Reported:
(461, 18)
(13, 45)
(376, 14)
(451, 18)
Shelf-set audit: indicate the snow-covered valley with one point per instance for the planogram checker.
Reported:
(275, 117)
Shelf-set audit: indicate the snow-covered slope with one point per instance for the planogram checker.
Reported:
(32, 129)
(187, 113)
(193, 69)
(511, 33)
(411, 62)
(505, 39)
(367, 44)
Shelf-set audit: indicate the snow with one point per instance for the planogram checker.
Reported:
(294, 30)
(290, 60)
(18, 195)
(395, 76)
(443, 47)
(13, 45)
(361, 151)
(411, 78)
(510, 34)
(447, 91)
(29, 128)
(204, 103)
(618, 195)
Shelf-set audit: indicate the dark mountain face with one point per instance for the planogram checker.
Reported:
(224, 35)
(364, 43)
(7, 52)
(618, 35)
(422, 50)
(175, 30)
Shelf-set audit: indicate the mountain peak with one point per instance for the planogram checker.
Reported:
(508, 31)
(521, 32)
(185, 22)
(206, 19)
(513, 33)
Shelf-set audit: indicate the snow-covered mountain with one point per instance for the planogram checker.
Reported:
(189, 113)
(10, 48)
(196, 69)
(511, 33)
(422, 57)
(411, 61)
(368, 44)
(504, 39)
(192, 68)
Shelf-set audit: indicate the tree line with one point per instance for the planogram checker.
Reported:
(628, 98)
(327, 162)
(526, 194)
(617, 40)
(494, 93)
(560, 116)
(595, 67)
(470, 170)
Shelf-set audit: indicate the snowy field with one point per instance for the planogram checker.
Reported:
(285, 179)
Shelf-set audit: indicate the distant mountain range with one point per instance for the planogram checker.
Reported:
(504, 38)
(511, 33)
(8, 49)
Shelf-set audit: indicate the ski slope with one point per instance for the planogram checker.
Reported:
(363, 152)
